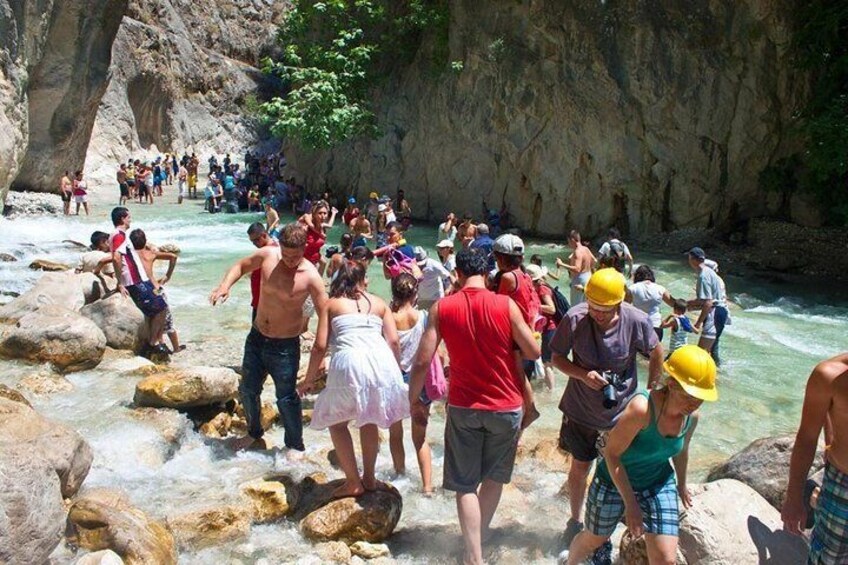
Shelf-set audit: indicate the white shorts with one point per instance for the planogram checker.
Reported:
(183, 188)
(81, 199)
(709, 330)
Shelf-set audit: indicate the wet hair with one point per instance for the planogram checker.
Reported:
(293, 236)
(138, 238)
(97, 238)
(575, 235)
(536, 259)
(346, 241)
(255, 228)
(613, 233)
(404, 290)
(349, 277)
(679, 304)
(644, 273)
(360, 253)
(118, 215)
(471, 261)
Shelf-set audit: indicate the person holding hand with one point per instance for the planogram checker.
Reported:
(635, 479)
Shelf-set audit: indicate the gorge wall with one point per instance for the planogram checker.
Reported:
(651, 115)
(54, 60)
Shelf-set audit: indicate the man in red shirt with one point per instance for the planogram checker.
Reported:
(260, 238)
(485, 395)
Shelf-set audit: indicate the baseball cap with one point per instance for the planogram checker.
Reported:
(509, 244)
(697, 253)
(444, 243)
(373, 196)
(381, 208)
(535, 271)
(482, 228)
(351, 200)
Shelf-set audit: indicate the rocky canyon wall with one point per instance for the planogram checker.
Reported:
(54, 60)
(182, 78)
(651, 115)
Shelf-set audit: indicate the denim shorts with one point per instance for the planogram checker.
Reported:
(479, 445)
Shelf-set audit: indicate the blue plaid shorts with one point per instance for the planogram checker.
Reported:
(660, 510)
(829, 543)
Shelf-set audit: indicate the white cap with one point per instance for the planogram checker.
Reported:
(509, 244)
(535, 271)
(444, 243)
(381, 208)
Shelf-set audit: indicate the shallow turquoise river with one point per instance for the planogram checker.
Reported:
(779, 333)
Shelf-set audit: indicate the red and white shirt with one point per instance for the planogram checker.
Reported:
(132, 270)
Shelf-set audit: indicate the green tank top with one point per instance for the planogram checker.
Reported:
(647, 459)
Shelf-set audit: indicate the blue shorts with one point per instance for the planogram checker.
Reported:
(660, 509)
(829, 543)
(148, 300)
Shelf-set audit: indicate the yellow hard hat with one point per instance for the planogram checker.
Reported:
(605, 287)
(695, 370)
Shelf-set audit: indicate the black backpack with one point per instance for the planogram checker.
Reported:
(561, 304)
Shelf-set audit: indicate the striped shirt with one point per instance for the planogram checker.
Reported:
(132, 270)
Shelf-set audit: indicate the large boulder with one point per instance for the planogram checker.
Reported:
(119, 319)
(371, 517)
(764, 466)
(56, 335)
(60, 289)
(212, 526)
(187, 387)
(68, 454)
(32, 516)
(104, 519)
(730, 523)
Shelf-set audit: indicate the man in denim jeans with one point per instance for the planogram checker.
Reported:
(273, 344)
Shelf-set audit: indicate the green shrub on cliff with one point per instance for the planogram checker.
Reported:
(334, 52)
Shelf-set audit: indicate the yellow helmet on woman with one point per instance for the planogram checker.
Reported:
(694, 369)
(606, 287)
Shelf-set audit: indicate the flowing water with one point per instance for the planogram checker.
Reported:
(778, 334)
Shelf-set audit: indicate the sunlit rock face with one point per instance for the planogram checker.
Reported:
(651, 116)
(54, 61)
(183, 79)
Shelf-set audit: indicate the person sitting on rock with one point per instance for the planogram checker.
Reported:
(635, 479)
(98, 260)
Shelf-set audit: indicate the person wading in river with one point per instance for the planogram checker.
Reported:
(825, 407)
(603, 336)
(579, 267)
(273, 344)
(485, 395)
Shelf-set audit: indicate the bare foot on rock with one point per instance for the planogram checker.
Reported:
(347, 490)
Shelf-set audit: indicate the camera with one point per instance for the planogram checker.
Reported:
(613, 382)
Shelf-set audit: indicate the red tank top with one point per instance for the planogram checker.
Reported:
(475, 325)
(314, 241)
(255, 287)
(524, 295)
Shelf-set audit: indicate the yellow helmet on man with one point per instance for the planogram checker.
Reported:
(694, 369)
(605, 287)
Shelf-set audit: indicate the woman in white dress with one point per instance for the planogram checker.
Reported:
(364, 382)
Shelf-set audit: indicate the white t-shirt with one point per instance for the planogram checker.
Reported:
(431, 286)
(449, 235)
(648, 297)
(605, 248)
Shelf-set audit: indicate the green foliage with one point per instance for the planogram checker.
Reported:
(335, 52)
(821, 47)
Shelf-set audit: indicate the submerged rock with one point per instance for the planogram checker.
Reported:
(764, 466)
(33, 515)
(729, 522)
(268, 499)
(187, 387)
(41, 384)
(7, 258)
(119, 319)
(13, 395)
(56, 335)
(104, 519)
(64, 449)
(48, 265)
(213, 526)
(370, 517)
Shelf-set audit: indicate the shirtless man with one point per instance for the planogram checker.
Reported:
(273, 344)
(272, 219)
(579, 267)
(825, 407)
(66, 191)
(467, 231)
(360, 227)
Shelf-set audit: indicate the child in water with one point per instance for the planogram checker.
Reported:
(680, 326)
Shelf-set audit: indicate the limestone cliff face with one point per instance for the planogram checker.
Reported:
(181, 73)
(652, 115)
(54, 57)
